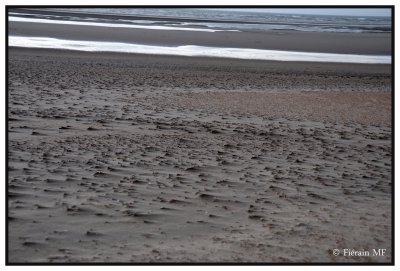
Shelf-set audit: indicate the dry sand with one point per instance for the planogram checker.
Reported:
(135, 158)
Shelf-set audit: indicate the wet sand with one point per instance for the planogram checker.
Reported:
(139, 158)
(323, 42)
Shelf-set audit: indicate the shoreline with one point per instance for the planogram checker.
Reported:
(195, 51)
(117, 16)
(346, 43)
(24, 12)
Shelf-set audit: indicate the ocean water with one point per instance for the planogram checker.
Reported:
(261, 21)
(242, 20)
(115, 25)
(205, 20)
(193, 50)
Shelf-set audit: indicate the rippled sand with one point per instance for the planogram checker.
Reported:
(159, 159)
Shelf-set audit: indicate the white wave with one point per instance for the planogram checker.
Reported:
(193, 50)
(153, 27)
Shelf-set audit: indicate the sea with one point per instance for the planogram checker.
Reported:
(244, 19)
(205, 20)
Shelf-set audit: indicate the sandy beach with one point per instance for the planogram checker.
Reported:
(135, 158)
(139, 158)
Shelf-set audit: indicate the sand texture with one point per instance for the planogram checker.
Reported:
(116, 158)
